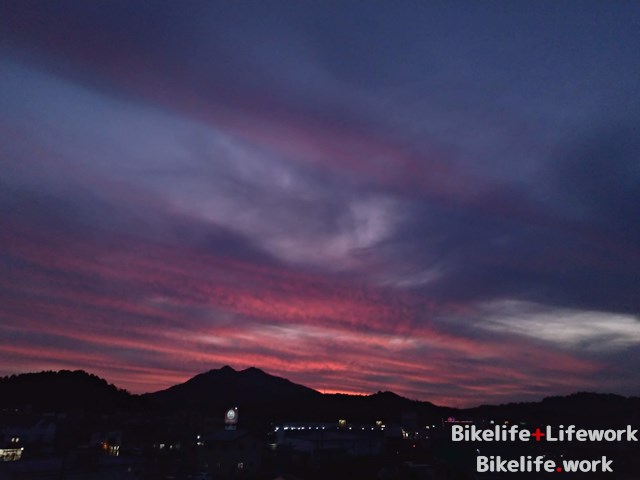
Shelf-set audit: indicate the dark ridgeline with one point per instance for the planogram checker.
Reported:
(87, 428)
(266, 398)
(586, 408)
(62, 391)
(226, 386)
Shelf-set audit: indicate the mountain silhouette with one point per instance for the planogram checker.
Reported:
(262, 397)
(62, 391)
(607, 410)
(258, 395)
(227, 387)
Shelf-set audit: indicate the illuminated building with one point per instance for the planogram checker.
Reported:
(11, 454)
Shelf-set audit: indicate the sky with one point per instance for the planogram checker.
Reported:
(441, 199)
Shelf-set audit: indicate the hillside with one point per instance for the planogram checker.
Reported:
(64, 390)
(262, 397)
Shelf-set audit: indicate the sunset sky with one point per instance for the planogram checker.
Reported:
(436, 198)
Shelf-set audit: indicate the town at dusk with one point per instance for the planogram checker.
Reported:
(435, 199)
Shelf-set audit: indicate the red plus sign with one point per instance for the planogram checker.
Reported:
(537, 434)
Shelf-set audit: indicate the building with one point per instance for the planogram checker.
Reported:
(28, 430)
(229, 454)
(321, 442)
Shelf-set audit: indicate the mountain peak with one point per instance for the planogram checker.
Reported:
(227, 369)
(227, 386)
(253, 370)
